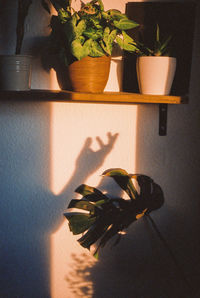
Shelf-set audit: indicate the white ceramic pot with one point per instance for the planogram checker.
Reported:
(115, 80)
(155, 74)
(15, 72)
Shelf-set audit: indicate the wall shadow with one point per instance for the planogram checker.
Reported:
(7, 26)
(138, 267)
(30, 212)
(173, 161)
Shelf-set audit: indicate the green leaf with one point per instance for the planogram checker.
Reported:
(96, 255)
(105, 15)
(95, 21)
(69, 29)
(116, 14)
(81, 39)
(101, 202)
(95, 232)
(123, 179)
(107, 50)
(127, 38)
(109, 234)
(115, 172)
(79, 223)
(80, 28)
(150, 193)
(127, 47)
(80, 51)
(82, 204)
(75, 18)
(106, 33)
(157, 33)
(163, 47)
(101, 5)
(112, 36)
(92, 194)
(96, 50)
(63, 15)
(127, 43)
(86, 190)
(160, 48)
(108, 40)
(93, 33)
(125, 24)
(95, 198)
(106, 217)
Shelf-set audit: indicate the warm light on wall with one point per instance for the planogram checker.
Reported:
(71, 125)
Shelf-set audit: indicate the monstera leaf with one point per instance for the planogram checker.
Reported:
(98, 217)
(123, 180)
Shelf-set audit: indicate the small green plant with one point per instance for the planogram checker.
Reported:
(100, 217)
(22, 12)
(90, 31)
(161, 48)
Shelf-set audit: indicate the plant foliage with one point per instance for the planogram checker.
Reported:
(91, 31)
(100, 217)
(23, 7)
(161, 48)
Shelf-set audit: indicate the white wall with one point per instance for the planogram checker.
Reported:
(45, 154)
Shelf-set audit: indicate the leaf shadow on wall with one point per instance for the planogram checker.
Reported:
(137, 268)
(30, 212)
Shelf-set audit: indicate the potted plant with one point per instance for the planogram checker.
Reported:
(85, 40)
(15, 69)
(99, 217)
(155, 68)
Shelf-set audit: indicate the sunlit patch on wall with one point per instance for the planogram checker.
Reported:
(72, 124)
(70, 266)
(75, 160)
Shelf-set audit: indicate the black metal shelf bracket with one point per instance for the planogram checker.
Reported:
(163, 119)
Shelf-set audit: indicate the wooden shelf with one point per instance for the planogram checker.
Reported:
(105, 97)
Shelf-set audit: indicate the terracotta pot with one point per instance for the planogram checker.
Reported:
(90, 74)
(155, 74)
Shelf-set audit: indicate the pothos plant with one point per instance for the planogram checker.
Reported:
(98, 217)
(90, 31)
(160, 48)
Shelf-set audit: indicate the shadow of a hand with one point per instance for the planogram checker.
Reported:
(88, 160)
